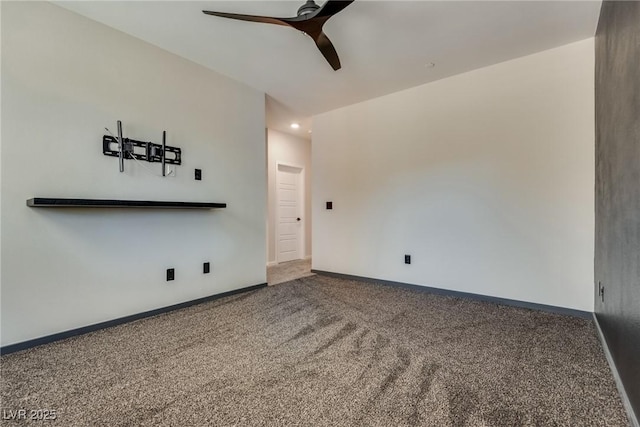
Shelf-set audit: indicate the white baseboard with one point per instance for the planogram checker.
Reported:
(616, 376)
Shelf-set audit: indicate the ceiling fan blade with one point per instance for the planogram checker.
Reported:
(331, 7)
(250, 18)
(328, 51)
(309, 23)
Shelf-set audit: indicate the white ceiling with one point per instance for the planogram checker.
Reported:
(384, 46)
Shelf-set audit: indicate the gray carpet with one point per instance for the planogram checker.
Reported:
(320, 351)
(287, 271)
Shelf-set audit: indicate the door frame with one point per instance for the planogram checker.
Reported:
(301, 208)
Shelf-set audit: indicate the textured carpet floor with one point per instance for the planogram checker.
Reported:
(320, 351)
(288, 271)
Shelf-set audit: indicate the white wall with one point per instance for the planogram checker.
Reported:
(485, 178)
(64, 78)
(294, 151)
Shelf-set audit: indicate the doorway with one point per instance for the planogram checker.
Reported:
(289, 174)
(289, 209)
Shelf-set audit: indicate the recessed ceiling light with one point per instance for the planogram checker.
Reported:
(295, 126)
(430, 64)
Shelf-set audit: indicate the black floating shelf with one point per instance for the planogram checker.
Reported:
(44, 202)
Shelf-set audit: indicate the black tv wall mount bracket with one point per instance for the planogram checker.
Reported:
(140, 150)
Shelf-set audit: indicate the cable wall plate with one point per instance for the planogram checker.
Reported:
(142, 150)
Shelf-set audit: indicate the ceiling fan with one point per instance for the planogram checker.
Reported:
(310, 20)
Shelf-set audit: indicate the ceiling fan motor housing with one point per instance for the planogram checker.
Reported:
(309, 7)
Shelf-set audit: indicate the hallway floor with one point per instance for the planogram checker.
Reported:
(287, 271)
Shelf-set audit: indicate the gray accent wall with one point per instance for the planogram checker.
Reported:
(617, 244)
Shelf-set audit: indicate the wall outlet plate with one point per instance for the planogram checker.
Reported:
(329, 205)
(170, 274)
(407, 259)
(198, 175)
(206, 268)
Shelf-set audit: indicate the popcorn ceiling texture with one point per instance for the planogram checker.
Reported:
(321, 351)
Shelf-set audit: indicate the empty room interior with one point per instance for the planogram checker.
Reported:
(331, 213)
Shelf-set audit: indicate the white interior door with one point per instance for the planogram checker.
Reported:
(289, 222)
